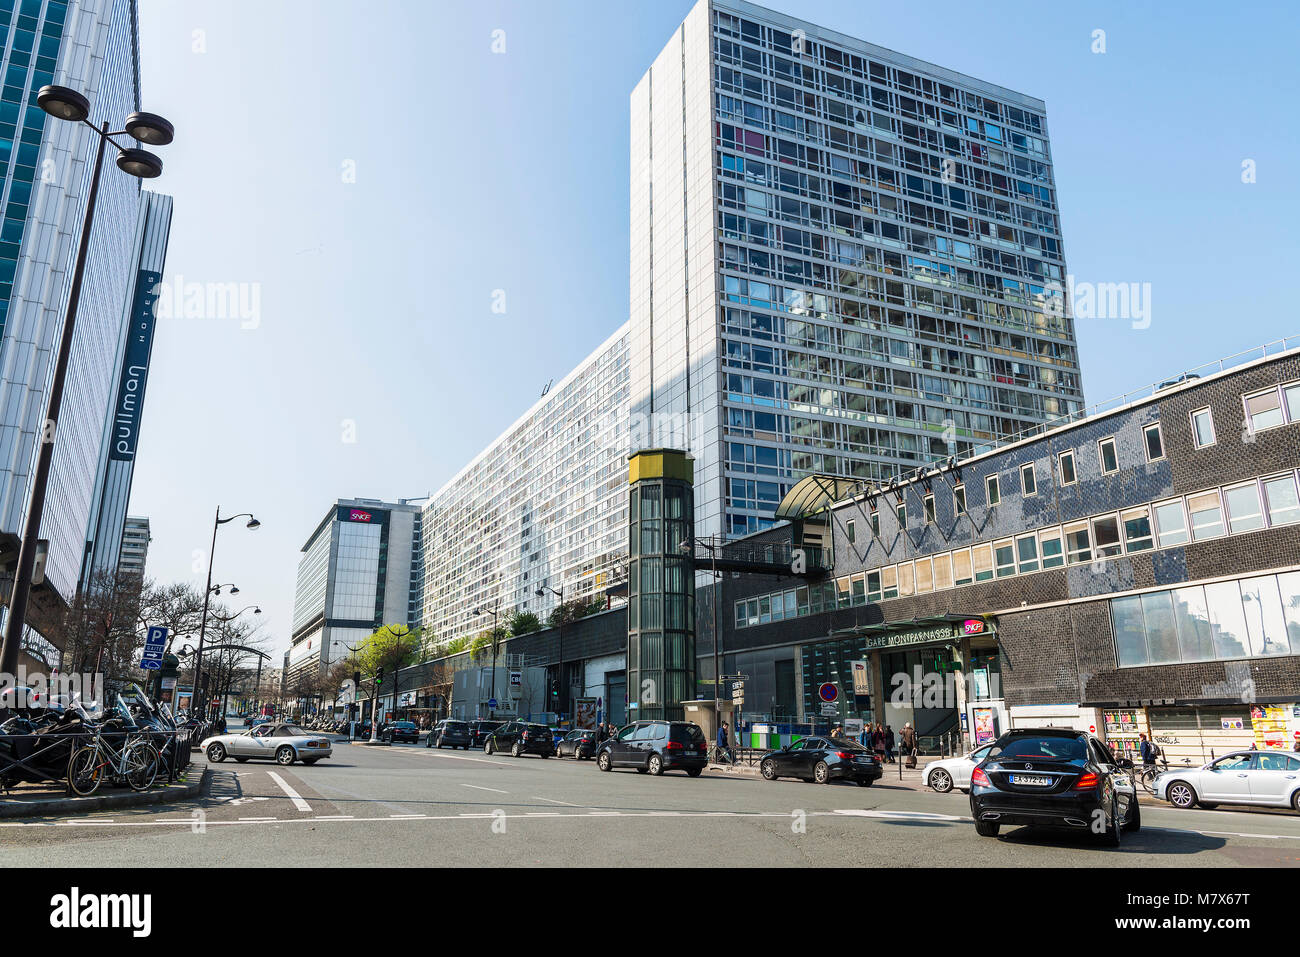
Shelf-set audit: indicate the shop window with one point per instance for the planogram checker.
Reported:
(1244, 512)
(942, 572)
(1283, 503)
(1107, 457)
(961, 568)
(991, 491)
(1171, 523)
(1027, 553)
(1137, 530)
(1068, 476)
(982, 559)
(1049, 546)
(859, 589)
(1264, 410)
(906, 581)
(889, 582)
(1154, 442)
(1206, 514)
(924, 576)
(1004, 558)
(1203, 428)
(1105, 536)
(1028, 484)
(1078, 544)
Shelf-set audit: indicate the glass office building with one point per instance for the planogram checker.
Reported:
(45, 169)
(843, 260)
(359, 569)
(543, 505)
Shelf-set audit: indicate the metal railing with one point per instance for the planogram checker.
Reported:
(20, 766)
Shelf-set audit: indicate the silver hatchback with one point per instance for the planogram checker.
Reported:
(1263, 778)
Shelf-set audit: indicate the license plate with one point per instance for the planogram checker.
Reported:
(1038, 780)
(691, 753)
(863, 760)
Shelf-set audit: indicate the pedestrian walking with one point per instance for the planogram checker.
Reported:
(908, 752)
(864, 737)
(878, 742)
(1148, 750)
(724, 747)
(890, 740)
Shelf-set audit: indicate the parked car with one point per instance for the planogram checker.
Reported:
(580, 743)
(1054, 777)
(653, 747)
(822, 760)
(951, 773)
(282, 743)
(1263, 778)
(520, 738)
(402, 731)
(450, 733)
(480, 729)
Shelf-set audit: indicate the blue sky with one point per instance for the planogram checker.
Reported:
(477, 171)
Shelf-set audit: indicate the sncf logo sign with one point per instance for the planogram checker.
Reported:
(357, 515)
(972, 626)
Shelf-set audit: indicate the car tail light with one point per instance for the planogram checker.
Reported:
(673, 746)
(979, 777)
(1087, 781)
(844, 755)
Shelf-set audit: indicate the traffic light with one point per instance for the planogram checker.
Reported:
(379, 678)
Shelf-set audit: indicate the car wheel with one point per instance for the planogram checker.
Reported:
(768, 768)
(284, 755)
(695, 772)
(216, 752)
(940, 780)
(1134, 822)
(821, 773)
(1295, 802)
(1181, 794)
(656, 765)
(1114, 831)
(602, 761)
(515, 750)
(987, 828)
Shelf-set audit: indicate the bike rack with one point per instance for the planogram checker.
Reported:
(9, 763)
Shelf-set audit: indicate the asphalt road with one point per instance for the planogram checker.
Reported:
(410, 806)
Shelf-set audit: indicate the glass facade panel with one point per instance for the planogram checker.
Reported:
(1130, 630)
(1192, 617)
(1244, 513)
(1227, 620)
(1161, 629)
(1265, 621)
(1283, 503)
(1171, 523)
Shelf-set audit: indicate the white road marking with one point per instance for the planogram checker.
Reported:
(294, 796)
(477, 788)
(257, 820)
(335, 817)
(538, 797)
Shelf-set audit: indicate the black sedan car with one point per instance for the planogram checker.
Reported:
(822, 760)
(401, 731)
(520, 738)
(1054, 777)
(450, 733)
(580, 744)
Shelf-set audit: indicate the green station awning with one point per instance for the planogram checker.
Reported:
(929, 629)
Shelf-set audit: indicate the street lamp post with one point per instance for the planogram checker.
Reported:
(66, 104)
(494, 611)
(208, 592)
(225, 620)
(689, 548)
(541, 593)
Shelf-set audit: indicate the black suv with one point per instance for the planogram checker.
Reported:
(655, 747)
(520, 738)
(1054, 777)
(479, 730)
(450, 732)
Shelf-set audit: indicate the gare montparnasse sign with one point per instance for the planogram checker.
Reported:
(922, 636)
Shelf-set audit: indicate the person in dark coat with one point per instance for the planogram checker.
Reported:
(889, 744)
(908, 750)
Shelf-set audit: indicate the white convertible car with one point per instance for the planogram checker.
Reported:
(281, 743)
(951, 773)
(1265, 778)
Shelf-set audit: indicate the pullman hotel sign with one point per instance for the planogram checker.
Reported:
(135, 367)
(924, 636)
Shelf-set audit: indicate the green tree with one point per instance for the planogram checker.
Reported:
(389, 648)
(573, 610)
(523, 623)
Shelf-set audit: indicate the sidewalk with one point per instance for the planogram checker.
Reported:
(48, 800)
(911, 778)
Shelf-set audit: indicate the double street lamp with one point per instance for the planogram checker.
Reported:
(209, 589)
(63, 103)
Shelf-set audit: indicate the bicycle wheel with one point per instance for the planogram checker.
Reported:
(85, 771)
(140, 765)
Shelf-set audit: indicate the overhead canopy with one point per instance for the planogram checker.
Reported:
(813, 494)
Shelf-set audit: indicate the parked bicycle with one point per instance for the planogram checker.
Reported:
(136, 763)
(1146, 774)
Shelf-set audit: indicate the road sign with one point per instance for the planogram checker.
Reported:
(492, 702)
(829, 709)
(156, 635)
(828, 692)
(151, 665)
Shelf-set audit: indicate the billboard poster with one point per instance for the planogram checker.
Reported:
(985, 726)
(861, 679)
(1270, 724)
(584, 713)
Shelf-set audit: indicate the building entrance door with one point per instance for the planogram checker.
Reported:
(615, 695)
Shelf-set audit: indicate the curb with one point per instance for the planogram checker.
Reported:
(10, 807)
